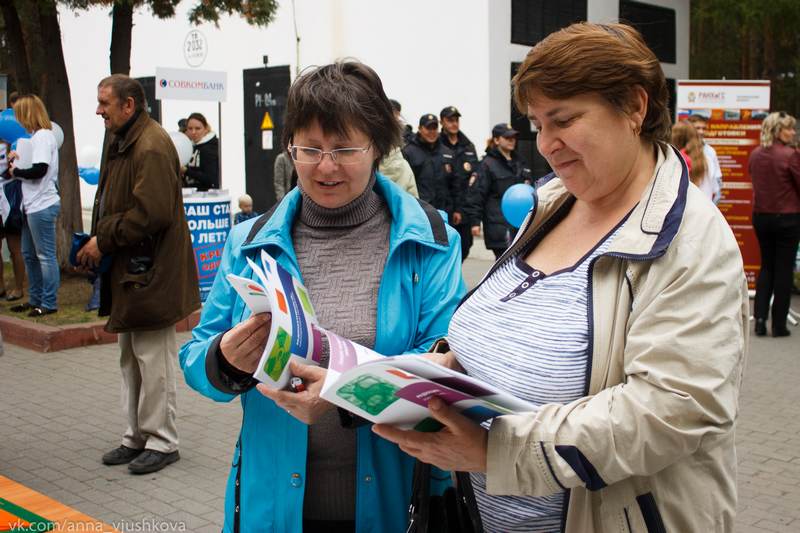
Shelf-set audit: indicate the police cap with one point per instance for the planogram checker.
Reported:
(449, 112)
(428, 119)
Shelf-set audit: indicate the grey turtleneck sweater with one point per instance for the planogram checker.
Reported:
(341, 253)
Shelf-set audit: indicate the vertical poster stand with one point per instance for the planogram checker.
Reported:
(207, 213)
(734, 111)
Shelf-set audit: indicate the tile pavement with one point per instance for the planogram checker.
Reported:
(60, 411)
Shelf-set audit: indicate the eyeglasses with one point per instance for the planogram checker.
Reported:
(341, 156)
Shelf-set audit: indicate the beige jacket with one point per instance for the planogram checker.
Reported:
(650, 447)
(395, 167)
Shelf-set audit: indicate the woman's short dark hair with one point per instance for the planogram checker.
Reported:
(199, 118)
(607, 59)
(341, 97)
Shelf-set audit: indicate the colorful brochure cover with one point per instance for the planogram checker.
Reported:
(396, 390)
(293, 334)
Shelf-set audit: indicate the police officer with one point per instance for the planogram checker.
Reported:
(432, 164)
(501, 168)
(465, 170)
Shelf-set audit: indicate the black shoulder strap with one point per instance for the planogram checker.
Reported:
(259, 223)
(437, 223)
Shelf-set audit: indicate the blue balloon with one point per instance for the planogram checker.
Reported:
(517, 201)
(90, 175)
(10, 129)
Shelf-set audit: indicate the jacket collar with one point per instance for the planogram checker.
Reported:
(409, 221)
(134, 131)
(652, 224)
(207, 137)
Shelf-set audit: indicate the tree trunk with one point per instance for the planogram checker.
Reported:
(16, 45)
(121, 29)
(59, 103)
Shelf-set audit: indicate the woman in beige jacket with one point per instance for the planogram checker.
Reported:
(625, 324)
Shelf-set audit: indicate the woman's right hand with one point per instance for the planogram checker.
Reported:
(476, 231)
(447, 360)
(243, 345)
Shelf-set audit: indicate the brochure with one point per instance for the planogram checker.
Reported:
(292, 335)
(396, 390)
(389, 390)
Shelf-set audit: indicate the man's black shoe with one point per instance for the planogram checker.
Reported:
(780, 332)
(152, 461)
(120, 456)
(21, 308)
(761, 327)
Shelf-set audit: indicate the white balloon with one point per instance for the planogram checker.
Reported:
(183, 145)
(89, 156)
(58, 133)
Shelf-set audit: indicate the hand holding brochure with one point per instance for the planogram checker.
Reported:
(292, 334)
(389, 390)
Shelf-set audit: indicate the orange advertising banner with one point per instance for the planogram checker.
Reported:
(734, 111)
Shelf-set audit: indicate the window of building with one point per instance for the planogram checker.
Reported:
(656, 24)
(533, 20)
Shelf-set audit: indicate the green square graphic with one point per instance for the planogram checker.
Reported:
(279, 356)
(369, 393)
(305, 301)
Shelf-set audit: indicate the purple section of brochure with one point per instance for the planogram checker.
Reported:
(342, 353)
(421, 392)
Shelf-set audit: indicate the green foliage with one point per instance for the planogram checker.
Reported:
(749, 39)
(255, 12)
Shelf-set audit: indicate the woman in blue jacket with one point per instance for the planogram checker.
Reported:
(382, 269)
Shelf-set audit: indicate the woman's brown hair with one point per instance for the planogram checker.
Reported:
(30, 112)
(342, 96)
(608, 59)
(685, 137)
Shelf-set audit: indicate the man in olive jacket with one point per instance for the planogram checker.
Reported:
(139, 221)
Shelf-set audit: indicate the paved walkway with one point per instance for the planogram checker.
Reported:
(60, 411)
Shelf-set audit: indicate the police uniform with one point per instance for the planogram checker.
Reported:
(465, 169)
(484, 196)
(432, 165)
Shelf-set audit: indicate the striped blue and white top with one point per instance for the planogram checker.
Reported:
(527, 333)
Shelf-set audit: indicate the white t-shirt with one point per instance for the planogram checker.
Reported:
(42, 193)
(712, 182)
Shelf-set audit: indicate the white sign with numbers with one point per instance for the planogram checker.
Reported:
(195, 48)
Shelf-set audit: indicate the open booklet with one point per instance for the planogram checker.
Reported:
(389, 390)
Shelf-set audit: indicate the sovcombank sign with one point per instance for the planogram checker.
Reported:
(185, 84)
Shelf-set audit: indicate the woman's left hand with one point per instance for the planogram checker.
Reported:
(460, 446)
(305, 406)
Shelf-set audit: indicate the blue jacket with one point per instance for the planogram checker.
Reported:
(419, 291)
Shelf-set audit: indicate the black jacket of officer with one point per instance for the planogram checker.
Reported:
(465, 165)
(495, 176)
(432, 165)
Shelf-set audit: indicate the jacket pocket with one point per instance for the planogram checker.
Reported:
(137, 281)
(630, 513)
(641, 516)
(650, 513)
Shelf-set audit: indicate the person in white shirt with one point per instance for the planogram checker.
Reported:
(713, 176)
(41, 205)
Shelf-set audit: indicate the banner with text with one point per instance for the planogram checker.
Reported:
(191, 84)
(734, 111)
(209, 220)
